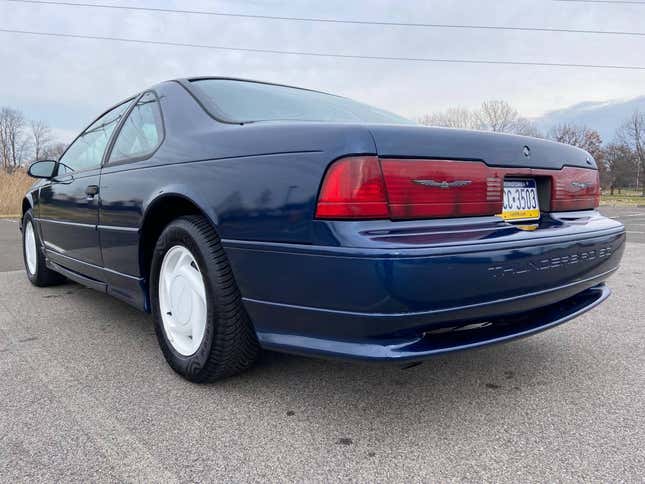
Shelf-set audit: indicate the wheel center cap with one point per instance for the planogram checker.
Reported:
(180, 301)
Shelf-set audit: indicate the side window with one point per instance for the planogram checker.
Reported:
(142, 131)
(87, 151)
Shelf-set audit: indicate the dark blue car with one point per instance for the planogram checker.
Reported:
(248, 215)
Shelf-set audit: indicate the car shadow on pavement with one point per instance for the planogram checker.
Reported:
(465, 378)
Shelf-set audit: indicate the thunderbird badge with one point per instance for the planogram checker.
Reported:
(443, 184)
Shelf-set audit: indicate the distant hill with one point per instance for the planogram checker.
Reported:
(605, 117)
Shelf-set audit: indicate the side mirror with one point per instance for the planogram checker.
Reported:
(42, 169)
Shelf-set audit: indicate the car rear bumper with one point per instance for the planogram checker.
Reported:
(447, 336)
(416, 300)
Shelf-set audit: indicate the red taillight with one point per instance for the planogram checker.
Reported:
(575, 189)
(366, 187)
(353, 189)
(441, 188)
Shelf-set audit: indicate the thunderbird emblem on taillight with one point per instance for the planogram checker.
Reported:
(443, 184)
(580, 185)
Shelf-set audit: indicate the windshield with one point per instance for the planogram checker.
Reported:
(245, 101)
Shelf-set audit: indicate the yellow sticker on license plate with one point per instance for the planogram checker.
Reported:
(520, 200)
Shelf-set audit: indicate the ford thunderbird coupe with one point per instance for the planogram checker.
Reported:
(246, 215)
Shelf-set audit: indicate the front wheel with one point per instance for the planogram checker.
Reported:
(200, 322)
(35, 265)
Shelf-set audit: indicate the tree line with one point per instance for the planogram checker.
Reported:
(621, 162)
(23, 141)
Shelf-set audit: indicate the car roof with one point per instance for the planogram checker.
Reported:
(240, 79)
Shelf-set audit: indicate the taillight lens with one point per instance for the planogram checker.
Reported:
(366, 187)
(575, 189)
(441, 188)
(353, 188)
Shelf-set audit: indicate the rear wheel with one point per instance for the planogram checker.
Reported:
(35, 266)
(200, 322)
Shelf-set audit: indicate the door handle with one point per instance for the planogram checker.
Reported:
(91, 191)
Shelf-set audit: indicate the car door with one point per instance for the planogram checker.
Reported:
(138, 139)
(69, 203)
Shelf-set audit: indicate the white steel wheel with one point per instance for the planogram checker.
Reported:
(208, 335)
(182, 300)
(31, 254)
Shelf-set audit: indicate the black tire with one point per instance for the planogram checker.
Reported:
(229, 345)
(43, 276)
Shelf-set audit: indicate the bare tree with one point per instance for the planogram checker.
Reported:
(526, 127)
(41, 137)
(632, 134)
(620, 166)
(580, 136)
(12, 138)
(577, 135)
(21, 139)
(501, 117)
(54, 151)
(5, 155)
(452, 118)
(498, 116)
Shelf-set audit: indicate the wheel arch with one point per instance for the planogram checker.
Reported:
(27, 203)
(158, 213)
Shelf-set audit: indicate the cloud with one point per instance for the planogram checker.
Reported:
(67, 81)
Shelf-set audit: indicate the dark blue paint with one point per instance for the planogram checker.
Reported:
(424, 345)
(358, 289)
(68, 217)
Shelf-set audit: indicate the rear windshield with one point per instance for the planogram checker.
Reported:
(244, 101)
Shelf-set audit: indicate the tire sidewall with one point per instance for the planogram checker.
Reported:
(184, 234)
(40, 260)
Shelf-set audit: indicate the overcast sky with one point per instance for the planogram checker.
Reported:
(66, 82)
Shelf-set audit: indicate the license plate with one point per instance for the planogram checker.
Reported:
(520, 200)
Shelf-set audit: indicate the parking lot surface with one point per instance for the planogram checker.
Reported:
(632, 218)
(87, 396)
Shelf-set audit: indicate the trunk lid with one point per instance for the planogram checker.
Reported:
(494, 149)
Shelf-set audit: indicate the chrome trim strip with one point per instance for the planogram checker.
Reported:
(62, 222)
(118, 228)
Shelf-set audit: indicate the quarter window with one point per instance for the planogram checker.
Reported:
(142, 131)
(87, 151)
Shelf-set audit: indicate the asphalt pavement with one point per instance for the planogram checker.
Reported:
(633, 218)
(85, 395)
